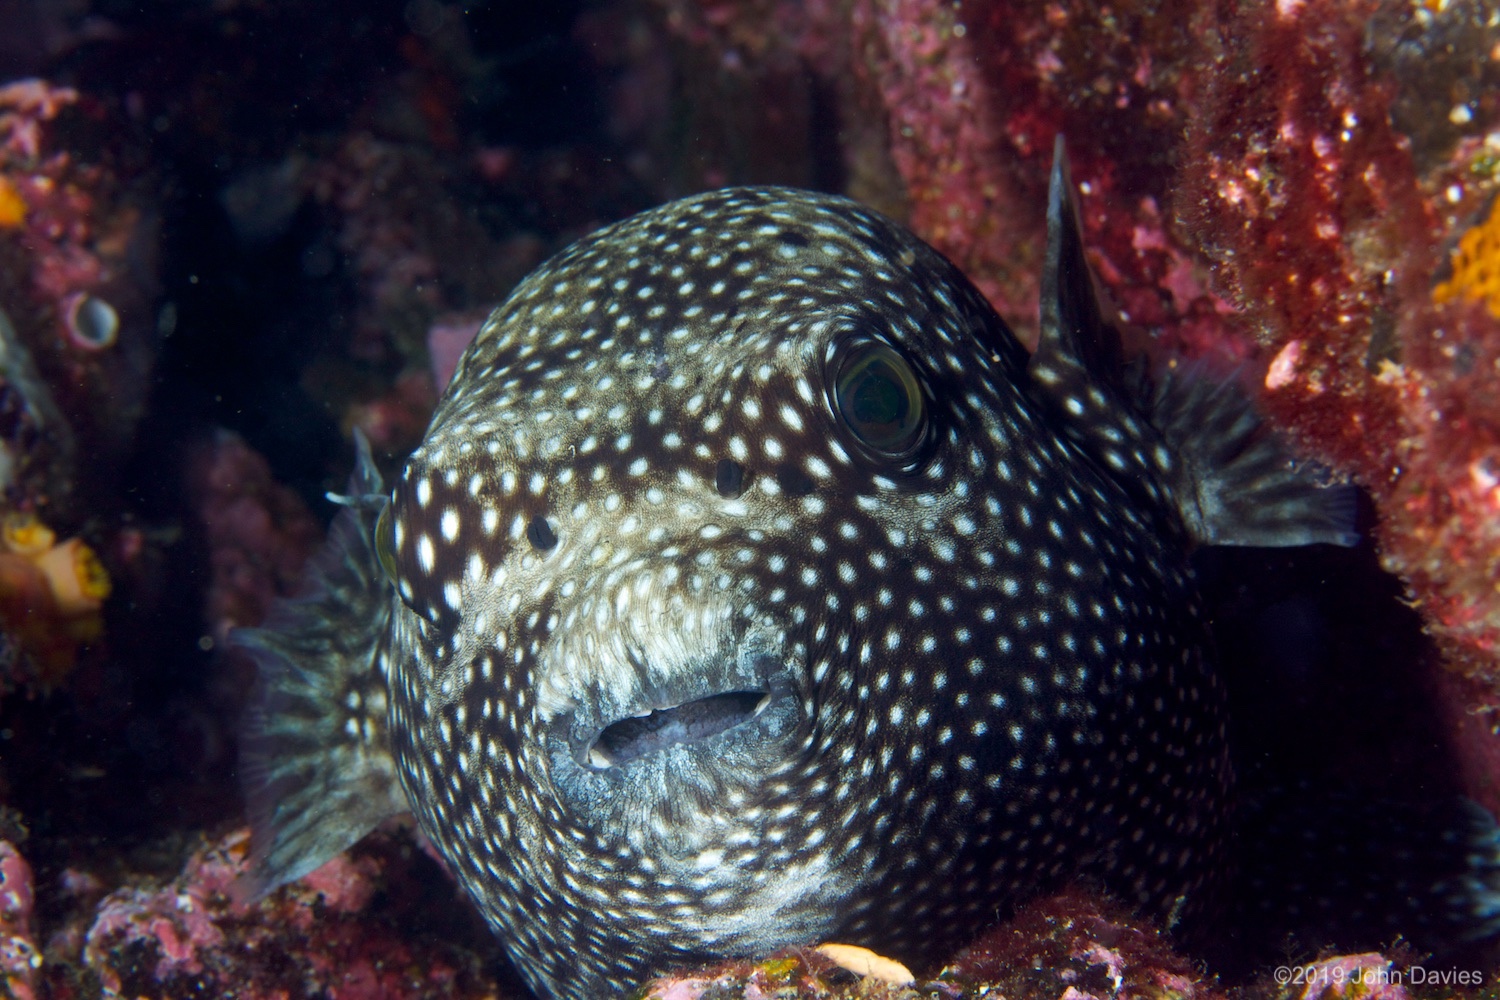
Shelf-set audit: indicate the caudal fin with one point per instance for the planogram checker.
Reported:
(315, 761)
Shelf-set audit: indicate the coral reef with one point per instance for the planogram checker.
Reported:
(1367, 977)
(78, 282)
(1072, 945)
(801, 975)
(259, 533)
(708, 95)
(20, 959)
(1065, 947)
(78, 278)
(1311, 202)
(926, 67)
(323, 936)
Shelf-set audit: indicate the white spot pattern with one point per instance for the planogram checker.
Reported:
(966, 658)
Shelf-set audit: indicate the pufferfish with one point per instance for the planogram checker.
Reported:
(753, 586)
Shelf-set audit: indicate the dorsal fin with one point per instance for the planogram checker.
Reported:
(1079, 369)
(1076, 341)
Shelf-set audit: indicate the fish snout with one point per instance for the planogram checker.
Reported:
(708, 725)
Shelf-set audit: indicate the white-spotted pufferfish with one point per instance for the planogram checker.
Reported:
(753, 586)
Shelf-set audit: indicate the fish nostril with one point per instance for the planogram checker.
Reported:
(540, 534)
(729, 478)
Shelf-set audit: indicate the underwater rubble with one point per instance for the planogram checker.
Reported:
(210, 278)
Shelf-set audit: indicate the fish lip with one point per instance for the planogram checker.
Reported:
(691, 721)
(699, 708)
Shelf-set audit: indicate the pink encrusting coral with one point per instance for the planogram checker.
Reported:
(974, 98)
(1355, 977)
(411, 242)
(1328, 238)
(320, 936)
(20, 958)
(25, 106)
(447, 339)
(78, 265)
(965, 198)
(422, 261)
(259, 533)
(1074, 942)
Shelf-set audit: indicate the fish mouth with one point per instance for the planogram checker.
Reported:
(691, 721)
(709, 711)
(679, 750)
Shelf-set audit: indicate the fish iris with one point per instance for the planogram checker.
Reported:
(880, 400)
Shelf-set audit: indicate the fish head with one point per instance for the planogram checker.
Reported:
(698, 560)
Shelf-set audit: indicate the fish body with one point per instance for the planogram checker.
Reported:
(753, 587)
(974, 660)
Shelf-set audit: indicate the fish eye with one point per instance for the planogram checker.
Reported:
(879, 399)
(385, 543)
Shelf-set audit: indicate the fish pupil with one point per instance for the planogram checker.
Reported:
(879, 400)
